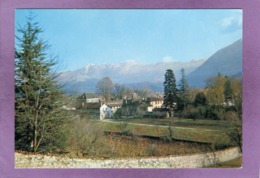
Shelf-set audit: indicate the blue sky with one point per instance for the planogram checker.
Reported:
(80, 37)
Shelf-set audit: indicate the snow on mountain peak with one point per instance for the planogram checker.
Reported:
(129, 71)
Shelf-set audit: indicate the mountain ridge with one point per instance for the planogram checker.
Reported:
(227, 61)
(128, 73)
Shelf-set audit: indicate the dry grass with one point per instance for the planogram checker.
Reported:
(88, 140)
(134, 147)
(235, 163)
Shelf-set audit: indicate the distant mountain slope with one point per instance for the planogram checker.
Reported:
(131, 74)
(227, 61)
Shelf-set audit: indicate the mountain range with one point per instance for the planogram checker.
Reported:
(227, 61)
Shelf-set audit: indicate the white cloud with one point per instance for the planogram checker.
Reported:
(229, 21)
(232, 23)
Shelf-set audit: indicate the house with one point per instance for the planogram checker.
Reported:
(92, 100)
(154, 103)
(92, 110)
(84, 99)
(134, 108)
(108, 109)
(114, 105)
(105, 112)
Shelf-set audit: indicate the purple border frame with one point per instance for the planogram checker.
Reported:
(251, 86)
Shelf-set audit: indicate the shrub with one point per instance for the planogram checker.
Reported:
(86, 138)
(118, 114)
(152, 150)
(194, 113)
(200, 99)
(215, 112)
(234, 132)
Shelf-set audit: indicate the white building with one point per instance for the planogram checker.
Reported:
(115, 105)
(154, 103)
(105, 112)
(92, 100)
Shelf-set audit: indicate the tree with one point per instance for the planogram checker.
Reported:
(236, 86)
(170, 91)
(215, 87)
(183, 91)
(228, 89)
(105, 87)
(200, 99)
(118, 91)
(39, 117)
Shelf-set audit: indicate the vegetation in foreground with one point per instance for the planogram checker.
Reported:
(122, 146)
(105, 139)
(40, 123)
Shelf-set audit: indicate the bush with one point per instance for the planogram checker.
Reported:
(86, 138)
(215, 112)
(234, 132)
(118, 114)
(194, 113)
(200, 99)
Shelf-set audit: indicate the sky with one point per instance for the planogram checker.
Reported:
(108, 36)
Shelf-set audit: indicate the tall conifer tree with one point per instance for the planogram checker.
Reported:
(228, 89)
(39, 117)
(170, 90)
(183, 91)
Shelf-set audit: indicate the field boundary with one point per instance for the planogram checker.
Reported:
(174, 132)
(186, 161)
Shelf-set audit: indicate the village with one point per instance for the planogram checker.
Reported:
(129, 107)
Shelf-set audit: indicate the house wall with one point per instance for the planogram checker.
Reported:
(150, 108)
(92, 100)
(105, 112)
(154, 104)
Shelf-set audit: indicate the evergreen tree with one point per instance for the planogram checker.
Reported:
(227, 89)
(183, 91)
(170, 91)
(39, 117)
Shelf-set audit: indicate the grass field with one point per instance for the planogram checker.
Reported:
(204, 131)
(188, 123)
